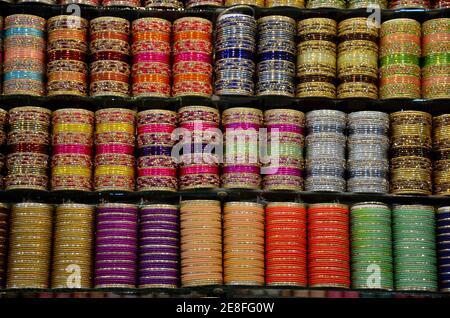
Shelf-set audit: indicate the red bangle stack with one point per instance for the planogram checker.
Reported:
(328, 245)
(110, 52)
(286, 244)
(151, 57)
(157, 170)
(192, 47)
(66, 53)
(200, 166)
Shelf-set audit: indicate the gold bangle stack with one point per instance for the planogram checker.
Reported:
(441, 148)
(4, 211)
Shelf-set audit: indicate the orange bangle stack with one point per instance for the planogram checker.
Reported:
(243, 243)
(286, 244)
(328, 245)
(201, 243)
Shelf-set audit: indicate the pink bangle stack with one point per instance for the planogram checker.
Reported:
(66, 55)
(151, 57)
(200, 165)
(110, 52)
(114, 149)
(72, 149)
(286, 139)
(241, 167)
(24, 57)
(156, 168)
(192, 48)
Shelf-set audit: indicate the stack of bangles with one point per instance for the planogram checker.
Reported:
(409, 4)
(199, 165)
(3, 123)
(358, 4)
(110, 52)
(276, 56)
(316, 58)
(357, 63)
(284, 3)
(436, 58)
(4, 226)
(72, 141)
(94, 3)
(24, 57)
(241, 168)
(286, 244)
(411, 152)
(201, 243)
(159, 4)
(399, 59)
(235, 52)
(114, 149)
(286, 139)
(441, 148)
(156, 168)
(199, 3)
(28, 153)
(328, 245)
(151, 57)
(243, 243)
(441, 4)
(66, 56)
(1, 55)
(192, 49)
(121, 3)
(316, 4)
(443, 239)
(256, 3)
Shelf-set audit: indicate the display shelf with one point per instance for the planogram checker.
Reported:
(90, 12)
(222, 292)
(56, 197)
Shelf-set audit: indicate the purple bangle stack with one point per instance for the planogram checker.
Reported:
(116, 245)
(158, 249)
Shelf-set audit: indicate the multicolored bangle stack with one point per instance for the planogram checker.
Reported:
(371, 242)
(316, 58)
(443, 239)
(192, 46)
(30, 245)
(235, 52)
(411, 147)
(285, 3)
(158, 246)
(357, 63)
(276, 56)
(198, 3)
(315, 4)
(4, 226)
(114, 151)
(241, 168)
(151, 57)
(325, 150)
(357, 4)
(3, 123)
(441, 4)
(399, 59)
(121, 3)
(436, 62)
(110, 53)
(414, 248)
(404, 4)
(28, 153)
(286, 244)
(286, 139)
(256, 3)
(368, 145)
(200, 165)
(72, 246)
(201, 243)
(66, 55)
(1, 55)
(441, 148)
(24, 60)
(243, 243)
(72, 141)
(116, 245)
(173, 4)
(328, 245)
(94, 3)
(156, 168)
